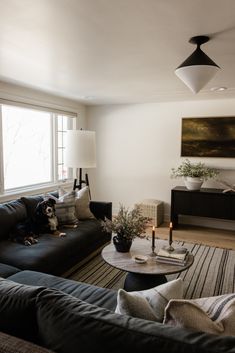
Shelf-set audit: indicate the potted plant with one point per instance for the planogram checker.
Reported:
(126, 225)
(194, 174)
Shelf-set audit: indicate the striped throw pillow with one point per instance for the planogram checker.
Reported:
(214, 315)
(65, 209)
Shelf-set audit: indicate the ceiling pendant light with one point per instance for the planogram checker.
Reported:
(198, 69)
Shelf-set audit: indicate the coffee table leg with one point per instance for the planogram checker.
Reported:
(136, 282)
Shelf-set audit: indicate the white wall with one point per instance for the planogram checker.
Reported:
(137, 145)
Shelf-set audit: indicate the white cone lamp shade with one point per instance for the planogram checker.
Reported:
(198, 69)
(80, 149)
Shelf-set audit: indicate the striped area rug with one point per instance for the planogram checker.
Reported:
(212, 273)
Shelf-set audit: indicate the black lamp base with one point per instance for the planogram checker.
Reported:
(79, 185)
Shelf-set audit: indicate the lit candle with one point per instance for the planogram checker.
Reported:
(170, 234)
(153, 237)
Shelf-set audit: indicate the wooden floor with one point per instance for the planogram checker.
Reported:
(195, 234)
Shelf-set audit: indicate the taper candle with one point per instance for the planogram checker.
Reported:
(153, 237)
(170, 234)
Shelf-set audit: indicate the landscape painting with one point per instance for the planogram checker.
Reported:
(208, 137)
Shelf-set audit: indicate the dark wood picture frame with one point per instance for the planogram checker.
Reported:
(208, 137)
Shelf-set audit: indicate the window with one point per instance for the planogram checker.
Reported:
(33, 147)
(63, 124)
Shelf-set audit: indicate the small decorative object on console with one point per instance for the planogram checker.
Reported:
(229, 187)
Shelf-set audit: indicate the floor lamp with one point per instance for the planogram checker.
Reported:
(80, 153)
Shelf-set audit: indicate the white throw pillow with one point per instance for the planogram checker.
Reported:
(82, 204)
(149, 304)
(213, 314)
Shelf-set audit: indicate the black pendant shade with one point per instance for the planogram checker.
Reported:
(197, 70)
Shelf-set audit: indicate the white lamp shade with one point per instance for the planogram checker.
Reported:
(196, 76)
(80, 149)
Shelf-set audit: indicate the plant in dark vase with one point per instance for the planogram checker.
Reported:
(126, 226)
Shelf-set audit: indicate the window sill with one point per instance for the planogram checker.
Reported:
(13, 195)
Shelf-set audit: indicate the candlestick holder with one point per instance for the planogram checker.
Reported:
(170, 248)
(153, 254)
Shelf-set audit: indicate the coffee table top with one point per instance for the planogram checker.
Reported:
(125, 261)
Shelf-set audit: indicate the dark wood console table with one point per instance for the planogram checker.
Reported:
(202, 203)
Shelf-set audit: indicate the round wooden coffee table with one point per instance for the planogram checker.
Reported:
(142, 276)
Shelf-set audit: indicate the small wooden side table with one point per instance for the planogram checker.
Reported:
(142, 276)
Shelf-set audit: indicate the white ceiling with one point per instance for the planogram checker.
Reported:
(114, 51)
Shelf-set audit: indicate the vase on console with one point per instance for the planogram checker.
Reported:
(193, 183)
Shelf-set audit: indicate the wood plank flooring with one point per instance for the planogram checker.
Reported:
(195, 234)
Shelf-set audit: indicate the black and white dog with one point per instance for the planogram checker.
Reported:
(43, 221)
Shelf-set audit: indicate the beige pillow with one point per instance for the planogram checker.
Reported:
(149, 304)
(82, 204)
(213, 314)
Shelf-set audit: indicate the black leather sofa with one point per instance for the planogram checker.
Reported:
(65, 316)
(51, 254)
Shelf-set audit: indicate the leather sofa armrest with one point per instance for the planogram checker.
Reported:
(101, 209)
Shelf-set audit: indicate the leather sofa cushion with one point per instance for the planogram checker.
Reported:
(17, 309)
(75, 326)
(11, 213)
(102, 297)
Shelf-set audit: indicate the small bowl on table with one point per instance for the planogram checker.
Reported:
(140, 259)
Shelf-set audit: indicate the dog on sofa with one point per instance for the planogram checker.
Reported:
(44, 221)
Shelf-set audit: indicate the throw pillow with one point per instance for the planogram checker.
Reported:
(213, 314)
(82, 204)
(65, 207)
(149, 304)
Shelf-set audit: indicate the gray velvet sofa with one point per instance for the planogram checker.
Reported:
(65, 316)
(51, 254)
(42, 312)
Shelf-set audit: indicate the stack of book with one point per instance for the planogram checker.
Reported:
(176, 257)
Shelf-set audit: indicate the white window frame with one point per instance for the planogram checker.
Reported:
(55, 182)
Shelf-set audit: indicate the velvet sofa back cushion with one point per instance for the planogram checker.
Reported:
(31, 203)
(10, 214)
(75, 326)
(17, 309)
